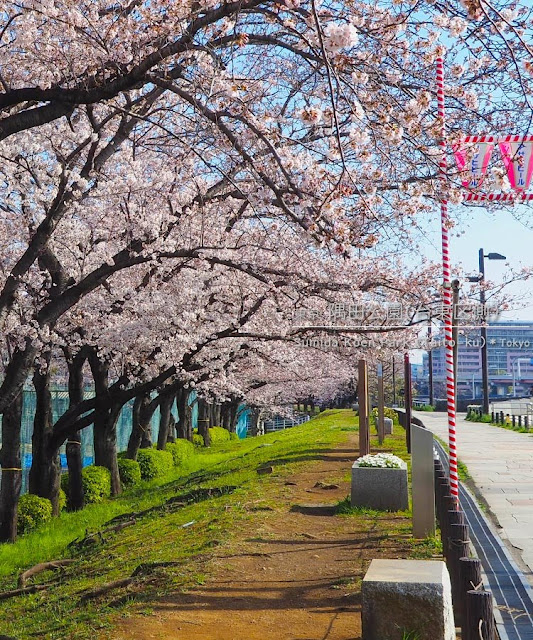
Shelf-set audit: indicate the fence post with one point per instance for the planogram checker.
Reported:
(448, 504)
(362, 396)
(458, 547)
(469, 580)
(480, 623)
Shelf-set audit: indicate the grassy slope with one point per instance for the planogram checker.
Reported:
(158, 537)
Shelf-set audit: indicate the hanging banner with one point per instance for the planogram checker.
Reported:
(472, 162)
(517, 160)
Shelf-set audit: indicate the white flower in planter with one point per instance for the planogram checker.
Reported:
(381, 461)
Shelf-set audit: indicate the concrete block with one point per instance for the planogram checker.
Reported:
(376, 488)
(407, 596)
(388, 426)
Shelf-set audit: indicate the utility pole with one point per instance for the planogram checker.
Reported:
(482, 300)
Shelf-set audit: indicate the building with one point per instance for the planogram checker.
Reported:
(510, 362)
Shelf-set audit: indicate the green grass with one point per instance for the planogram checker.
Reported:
(168, 548)
(510, 427)
(164, 552)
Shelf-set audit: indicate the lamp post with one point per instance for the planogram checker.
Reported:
(484, 355)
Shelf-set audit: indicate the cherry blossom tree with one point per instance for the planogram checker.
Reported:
(244, 153)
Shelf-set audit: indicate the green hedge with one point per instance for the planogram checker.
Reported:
(129, 471)
(181, 450)
(154, 463)
(387, 413)
(32, 512)
(198, 440)
(96, 482)
(219, 434)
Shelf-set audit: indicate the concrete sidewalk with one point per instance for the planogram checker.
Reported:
(501, 464)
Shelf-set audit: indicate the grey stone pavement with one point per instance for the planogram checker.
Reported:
(500, 462)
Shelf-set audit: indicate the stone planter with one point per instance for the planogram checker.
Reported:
(377, 488)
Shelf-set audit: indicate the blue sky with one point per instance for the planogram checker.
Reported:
(498, 232)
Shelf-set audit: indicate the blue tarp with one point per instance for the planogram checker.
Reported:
(60, 403)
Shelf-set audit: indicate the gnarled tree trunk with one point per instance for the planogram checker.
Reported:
(203, 421)
(184, 425)
(233, 410)
(165, 406)
(105, 422)
(46, 468)
(141, 432)
(11, 469)
(255, 414)
(76, 498)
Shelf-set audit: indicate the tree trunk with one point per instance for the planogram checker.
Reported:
(141, 432)
(45, 469)
(224, 416)
(212, 414)
(165, 405)
(184, 426)
(254, 421)
(11, 470)
(76, 498)
(218, 415)
(105, 423)
(171, 429)
(233, 409)
(105, 444)
(203, 421)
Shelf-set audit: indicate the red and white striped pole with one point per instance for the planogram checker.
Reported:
(447, 288)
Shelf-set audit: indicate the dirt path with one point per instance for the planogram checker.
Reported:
(294, 574)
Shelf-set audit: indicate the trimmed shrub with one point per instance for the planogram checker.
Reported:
(180, 449)
(129, 471)
(233, 436)
(64, 482)
(198, 440)
(96, 483)
(62, 500)
(154, 463)
(219, 434)
(387, 413)
(32, 512)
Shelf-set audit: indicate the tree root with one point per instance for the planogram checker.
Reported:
(39, 568)
(177, 502)
(144, 569)
(91, 539)
(20, 592)
(105, 588)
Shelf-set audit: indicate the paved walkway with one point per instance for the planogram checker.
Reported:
(501, 464)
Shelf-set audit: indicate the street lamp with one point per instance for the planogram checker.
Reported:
(484, 355)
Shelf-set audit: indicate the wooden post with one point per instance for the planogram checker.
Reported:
(408, 400)
(448, 503)
(469, 580)
(381, 406)
(480, 623)
(362, 396)
(458, 547)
